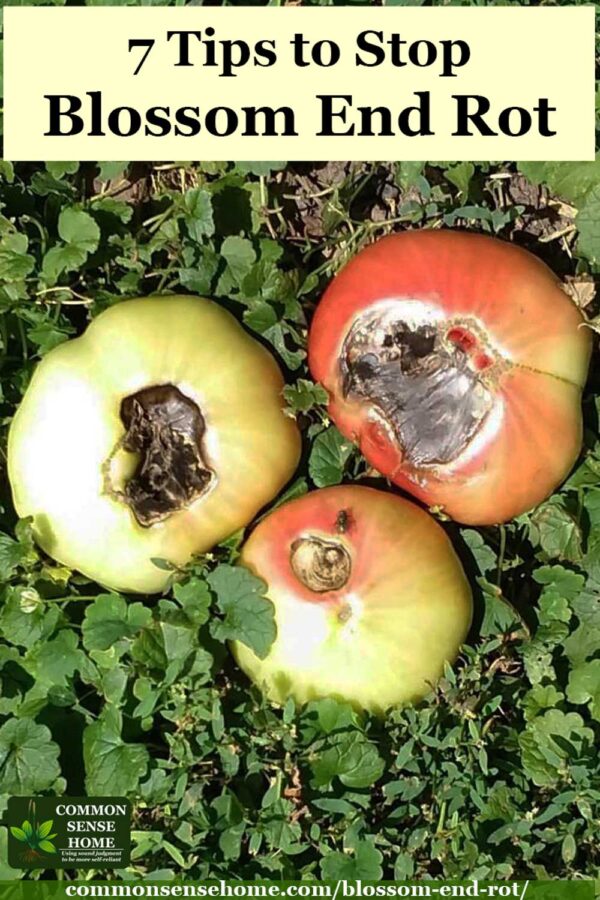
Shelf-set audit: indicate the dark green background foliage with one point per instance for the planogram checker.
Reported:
(496, 774)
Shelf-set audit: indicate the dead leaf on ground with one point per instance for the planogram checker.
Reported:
(594, 324)
(580, 288)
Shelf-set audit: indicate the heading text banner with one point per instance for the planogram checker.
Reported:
(263, 83)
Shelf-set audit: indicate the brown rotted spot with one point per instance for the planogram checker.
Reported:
(320, 565)
(424, 386)
(165, 429)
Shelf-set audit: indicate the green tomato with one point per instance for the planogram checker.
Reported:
(153, 436)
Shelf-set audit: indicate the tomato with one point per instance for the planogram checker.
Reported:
(370, 599)
(456, 362)
(156, 434)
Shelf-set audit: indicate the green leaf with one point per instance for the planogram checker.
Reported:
(350, 757)
(404, 867)
(363, 863)
(278, 337)
(28, 757)
(553, 608)
(47, 846)
(584, 686)
(54, 662)
(45, 828)
(230, 841)
(18, 833)
(485, 557)
(539, 698)
(558, 580)
(24, 626)
(109, 619)
(329, 455)
(111, 207)
(568, 849)
(261, 317)
(249, 615)
(149, 648)
(304, 395)
(537, 658)
(7, 169)
(572, 181)
(43, 184)
(588, 223)
(267, 282)
(408, 173)
(15, 262)
(259, 168)
(194, 597)
(46, 336)
(331, 714)
(499, 616)
(240, 256)
(460, 175)
(80, 234)
(12, 554)
(58, 169)
(78, 229)
(556, 531)
(110, 171)
(543, 754)
(112, 767)
(582, 643)
(199, 220)
(62, 258)
(178, 643)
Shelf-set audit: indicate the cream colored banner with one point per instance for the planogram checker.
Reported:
(298, 83)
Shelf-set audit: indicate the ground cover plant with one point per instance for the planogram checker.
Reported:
(496, 773)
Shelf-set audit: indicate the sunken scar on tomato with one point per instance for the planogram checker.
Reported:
(429, 381)
(165, 430)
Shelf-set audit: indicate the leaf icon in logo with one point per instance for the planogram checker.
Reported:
(18, 833)
(36, 838)
(45, 828)
(47, 846)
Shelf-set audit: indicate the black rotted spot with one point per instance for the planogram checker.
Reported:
(434, 402)
(165, 428)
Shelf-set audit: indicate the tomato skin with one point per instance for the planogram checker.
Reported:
(409, 601)
(69, 424)
(534, 335)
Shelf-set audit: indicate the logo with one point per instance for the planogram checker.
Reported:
(37, 839)
(68, 832)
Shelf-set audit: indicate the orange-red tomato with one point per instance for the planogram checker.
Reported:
(370, 599)
(456, 362)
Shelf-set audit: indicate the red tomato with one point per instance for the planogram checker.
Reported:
(456, 362)
(370, 599)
